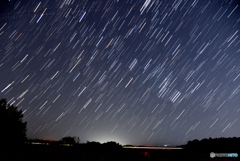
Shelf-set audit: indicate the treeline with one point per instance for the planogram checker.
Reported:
(214, 144)
(69, 141)
(65, 149)
(75, 142)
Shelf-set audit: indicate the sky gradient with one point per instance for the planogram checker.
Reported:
(146, 72)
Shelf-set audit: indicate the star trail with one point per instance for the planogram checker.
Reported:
(149, 72)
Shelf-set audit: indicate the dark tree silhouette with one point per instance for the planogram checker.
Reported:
(69, 140)
(13, 129)
(214, 144)
(112, 145)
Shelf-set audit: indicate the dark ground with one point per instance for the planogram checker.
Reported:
(91, 153)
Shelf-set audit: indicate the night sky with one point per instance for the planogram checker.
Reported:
(146, 72)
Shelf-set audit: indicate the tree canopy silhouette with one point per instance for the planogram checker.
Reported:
(71, 140)
(13, 129)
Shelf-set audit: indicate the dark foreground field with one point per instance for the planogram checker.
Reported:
(98, 153)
